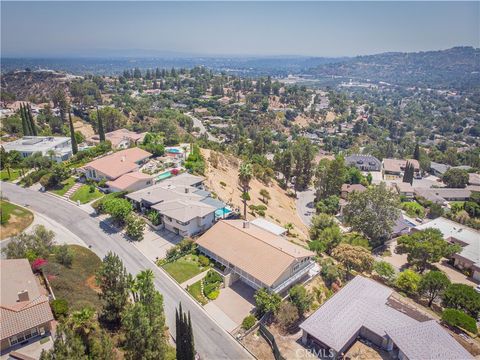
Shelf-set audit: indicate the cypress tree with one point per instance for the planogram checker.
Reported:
(191, 342)
(101, 132)
(32, 121)
(25, 129)
(72, 134)
(416, 153)
(184, 335)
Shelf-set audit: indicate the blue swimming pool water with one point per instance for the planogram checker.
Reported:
(222, 212)
(164, 175)
(174, 150)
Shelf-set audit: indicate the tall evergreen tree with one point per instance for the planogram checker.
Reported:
(101, 131)
(416, 153)
(72, 134)
(184, 335)
(31, 121)
(408, 173)
(25, 127)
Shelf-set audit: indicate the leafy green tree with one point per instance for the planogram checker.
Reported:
(385, 270)
(303, 155)
(67, 345)
(373, 213)
(330, 205)
(300, 297)
(63, 255)
(265, 195)
(462, 297)
(454, 317)
(319, 223)
(119, 209)
(144, 322)
(244, 177)
(112, 279)
(330, 176)
(425, 248)
(331, 272)
(432, 285)
(184, 335)
(354, 257)
(135, 227)
(327, 239)
(266, 301)
(455, 178)
(408, 281)
(37, 244)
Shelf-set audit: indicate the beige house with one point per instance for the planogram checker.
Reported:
(255, 255)
(120, 139)
(394, 169)
(25, 313)
(347, 189)
(130, 182)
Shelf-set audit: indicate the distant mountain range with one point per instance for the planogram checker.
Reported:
(458, 67)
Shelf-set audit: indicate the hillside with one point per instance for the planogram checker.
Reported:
(458, 67)
(223, 181)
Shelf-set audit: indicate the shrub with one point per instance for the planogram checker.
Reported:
(4, 217)
(63, 255)
(209, 288)
(223, 183)
(458, 318)
(408, 281)
(59, 308)
(213, 277)
(248, 322)
(135, 227)
(154, 217)
(204, 261)
(287, 315)
(462, 297)
(213, 295)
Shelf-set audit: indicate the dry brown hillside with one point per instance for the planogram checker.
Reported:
(223, 181)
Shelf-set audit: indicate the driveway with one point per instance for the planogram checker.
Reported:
(305, 206)
(155, 244)
(211, 340)
(235, 302)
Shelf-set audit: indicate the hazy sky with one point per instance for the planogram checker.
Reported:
(235, 28)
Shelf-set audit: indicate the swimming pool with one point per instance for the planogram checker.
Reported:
(174, 151)
(164, 175)
(223, 212)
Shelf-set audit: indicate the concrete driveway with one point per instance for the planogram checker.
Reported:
(235, 302)
(155, 244)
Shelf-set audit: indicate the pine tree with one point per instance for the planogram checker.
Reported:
(72, 134)
(184, 335)
(25, 127)
(31, 121)
(416, 153)
(101, 131)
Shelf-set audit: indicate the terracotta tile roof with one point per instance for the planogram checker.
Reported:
(127, 180)
(119, 163)
(258, 252)
(24, 315)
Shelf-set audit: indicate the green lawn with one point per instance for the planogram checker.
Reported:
(84, 195)
(16, 219)
(64, 186)
(76, 284)
(184, 268)
(14, 175)
(196, 291)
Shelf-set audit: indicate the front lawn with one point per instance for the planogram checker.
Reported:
(184, 268)
(76, 284)
(15, 219)
(14, 175)
(64, 186)
(85, 195)
(196, 291)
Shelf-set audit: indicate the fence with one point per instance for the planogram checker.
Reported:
(271, 340)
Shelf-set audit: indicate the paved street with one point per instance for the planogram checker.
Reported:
(305, 207)
(211, 341)
(203, 130)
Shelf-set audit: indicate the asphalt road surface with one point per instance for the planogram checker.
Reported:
(211, 341)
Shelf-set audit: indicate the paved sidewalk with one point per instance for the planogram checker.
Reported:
(220, 317)
(194, 279)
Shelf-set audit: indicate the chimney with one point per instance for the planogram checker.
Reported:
(246, 224)
(23, 295)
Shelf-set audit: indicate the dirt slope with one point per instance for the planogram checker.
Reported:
(281, 208)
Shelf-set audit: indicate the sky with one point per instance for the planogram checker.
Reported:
(56, 29)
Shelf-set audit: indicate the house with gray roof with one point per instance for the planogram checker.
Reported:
(366, 309)
(59, 148)
(364, 162)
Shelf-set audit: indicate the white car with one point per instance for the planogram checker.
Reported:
(477, 289)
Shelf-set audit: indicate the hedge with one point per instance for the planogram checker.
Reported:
(458, 318)
(248, 322)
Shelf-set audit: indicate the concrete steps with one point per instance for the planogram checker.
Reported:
(70, 191)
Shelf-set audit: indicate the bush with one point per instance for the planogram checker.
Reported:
(204, 261)
(287, 315)
(213, 295)
(458, 318)
(63, 255)
(248, 322)
(408, 282)
(462, 297)
(4, 217)
(213, 277)
(135, 227)
(59, 308)
(208, 288)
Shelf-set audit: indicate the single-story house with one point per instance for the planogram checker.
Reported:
(438, 169)
(468, 238)
(120, 139)
(347, 189)
(113, 166)
(25, 313)
(183, 206)
(364, 162)
(394, 168)
(405, 189)
(130, 182)
(255, 255)
(59, 148)
(474, 179)
(443, 195)
(365, 309)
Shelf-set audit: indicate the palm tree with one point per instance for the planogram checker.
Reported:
(83, 322)
(245, 175)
